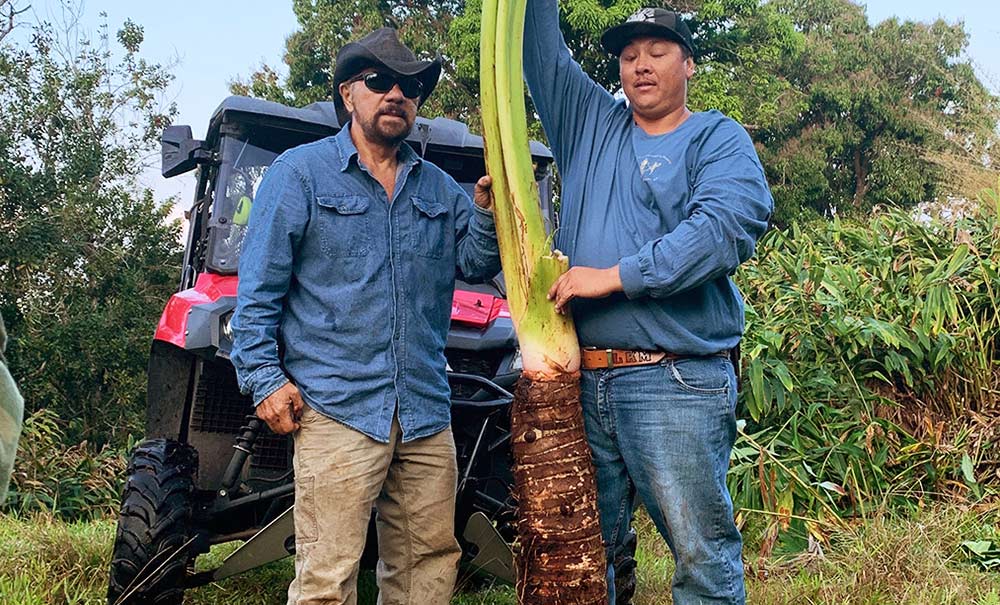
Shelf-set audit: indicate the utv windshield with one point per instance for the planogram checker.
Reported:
(245, 159)
(243, 167)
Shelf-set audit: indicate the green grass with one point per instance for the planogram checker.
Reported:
(916, 560)
(900, 561)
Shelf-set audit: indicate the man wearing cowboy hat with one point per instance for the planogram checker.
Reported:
(348, 270)
(659, 207)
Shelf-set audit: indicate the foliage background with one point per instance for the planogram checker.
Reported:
(871, 357)
(845, 115)
(87, 257)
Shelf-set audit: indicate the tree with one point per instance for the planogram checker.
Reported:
(9, 12)
(739, 46)
(327, 25)
(877, 111)
(743, 40)
(87, 257)
(845, 115)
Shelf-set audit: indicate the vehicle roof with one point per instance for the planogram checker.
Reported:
(439, 131)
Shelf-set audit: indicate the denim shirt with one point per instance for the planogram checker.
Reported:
(347, 294)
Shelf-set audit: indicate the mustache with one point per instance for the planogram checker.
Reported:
(391, 110)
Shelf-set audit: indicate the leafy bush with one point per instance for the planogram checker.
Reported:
(89, 258)
(71, 482)
(870, 366)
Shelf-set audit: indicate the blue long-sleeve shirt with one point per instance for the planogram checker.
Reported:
(348, 294)
(677, 212)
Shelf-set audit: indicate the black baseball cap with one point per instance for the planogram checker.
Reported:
(655, 22)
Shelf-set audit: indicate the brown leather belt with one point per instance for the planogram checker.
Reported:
(597, 359)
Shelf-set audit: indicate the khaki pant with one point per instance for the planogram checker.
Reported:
(339, 475)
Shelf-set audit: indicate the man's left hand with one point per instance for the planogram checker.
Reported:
(584, 282)
(482, 195)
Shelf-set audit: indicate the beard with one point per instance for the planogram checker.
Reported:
(386, 132)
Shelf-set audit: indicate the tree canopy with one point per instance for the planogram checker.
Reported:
(880, 114)
(87, 257)
(845, 114)
(327, 25)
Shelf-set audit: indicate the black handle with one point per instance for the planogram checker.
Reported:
(244, 447)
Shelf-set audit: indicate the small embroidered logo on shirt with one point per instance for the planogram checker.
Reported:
(649, 165)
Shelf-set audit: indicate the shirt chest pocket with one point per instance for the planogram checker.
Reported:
(431, 233)
(344, 223)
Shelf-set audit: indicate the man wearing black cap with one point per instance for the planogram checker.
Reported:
(659, 207)
(348, 270)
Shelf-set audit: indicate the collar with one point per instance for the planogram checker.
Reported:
(348, 150)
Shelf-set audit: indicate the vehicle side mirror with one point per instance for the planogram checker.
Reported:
(179, 152)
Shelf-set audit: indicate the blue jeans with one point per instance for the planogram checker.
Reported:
(664, 433)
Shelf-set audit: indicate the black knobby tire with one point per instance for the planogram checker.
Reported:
(155, 518)
(625, 569)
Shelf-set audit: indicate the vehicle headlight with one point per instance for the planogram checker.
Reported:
(227, 326)
(515, 363)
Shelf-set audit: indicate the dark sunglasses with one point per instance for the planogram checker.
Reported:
(381, 82)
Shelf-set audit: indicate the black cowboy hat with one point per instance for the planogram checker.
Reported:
(654, 22)
(381, 48)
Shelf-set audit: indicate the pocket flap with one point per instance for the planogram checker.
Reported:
(344, 204)
(429, 207)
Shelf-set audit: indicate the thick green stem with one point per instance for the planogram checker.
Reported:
(548, 340)
(503, 212)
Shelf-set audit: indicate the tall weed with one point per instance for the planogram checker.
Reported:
(71, 482)
(871, 372)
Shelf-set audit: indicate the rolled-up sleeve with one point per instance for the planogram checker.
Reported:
(728, 210)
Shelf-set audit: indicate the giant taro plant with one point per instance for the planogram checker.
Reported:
(560, 555)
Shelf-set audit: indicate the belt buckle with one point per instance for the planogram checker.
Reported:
(609, 355)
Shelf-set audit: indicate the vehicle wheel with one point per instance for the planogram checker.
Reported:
(625, 569)
(154, 522)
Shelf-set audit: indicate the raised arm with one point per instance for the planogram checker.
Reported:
(570, 104)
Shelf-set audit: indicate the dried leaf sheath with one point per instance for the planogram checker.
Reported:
(561, 556)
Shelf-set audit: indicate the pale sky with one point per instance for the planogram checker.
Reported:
(216, 41)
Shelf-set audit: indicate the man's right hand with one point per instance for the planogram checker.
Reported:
(282, 409)
(483, 192)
